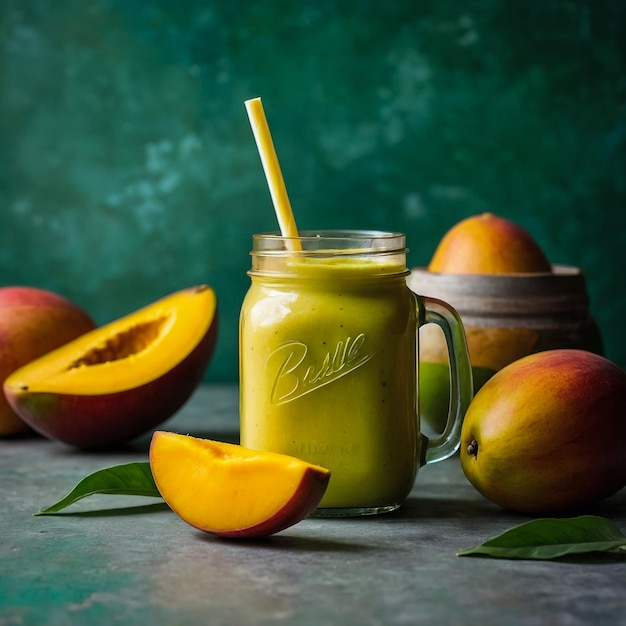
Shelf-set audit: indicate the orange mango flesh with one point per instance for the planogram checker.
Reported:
(232, 491)
(126, 353)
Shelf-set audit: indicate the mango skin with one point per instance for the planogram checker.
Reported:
(547, 433)
(488, 244)
(33, 322)
(101, 421)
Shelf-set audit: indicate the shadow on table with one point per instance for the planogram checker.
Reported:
(425, 508)
(295, 543)
(328, 537)
(141, 445)
(120, 511)
(476, 506)
(227, 436)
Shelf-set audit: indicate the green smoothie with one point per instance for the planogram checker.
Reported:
(328, 374)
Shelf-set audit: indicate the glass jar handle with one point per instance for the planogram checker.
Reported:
(433, 311)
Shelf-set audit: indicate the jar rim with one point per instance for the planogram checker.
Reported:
(335, 241)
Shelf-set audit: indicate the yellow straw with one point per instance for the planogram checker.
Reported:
(274, 177)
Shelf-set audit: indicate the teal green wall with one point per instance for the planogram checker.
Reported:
(128, 169)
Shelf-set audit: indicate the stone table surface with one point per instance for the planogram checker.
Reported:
(130, 560)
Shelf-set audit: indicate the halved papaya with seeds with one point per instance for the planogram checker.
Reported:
(122, 379)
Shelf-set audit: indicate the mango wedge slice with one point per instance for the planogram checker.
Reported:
(231, 491)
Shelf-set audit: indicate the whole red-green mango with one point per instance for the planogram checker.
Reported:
(547, 433)
(33, 322)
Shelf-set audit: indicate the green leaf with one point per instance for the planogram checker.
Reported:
(130, 479)
(550, 538)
